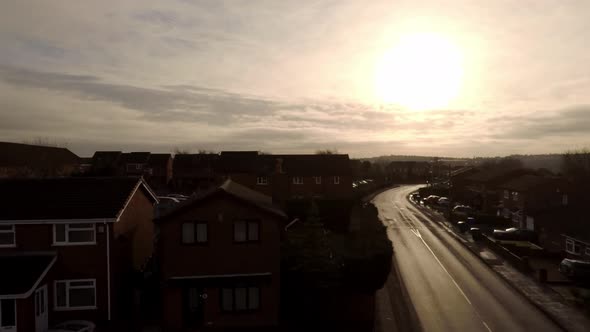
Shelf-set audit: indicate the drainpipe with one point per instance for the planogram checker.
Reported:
(108, 271)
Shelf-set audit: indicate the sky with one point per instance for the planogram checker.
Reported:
(297, 76)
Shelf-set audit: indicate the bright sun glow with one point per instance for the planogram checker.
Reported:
(423, 71)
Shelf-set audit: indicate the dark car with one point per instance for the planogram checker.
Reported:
(575, 269)
(514, 234)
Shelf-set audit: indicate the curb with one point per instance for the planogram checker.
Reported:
(549, 315)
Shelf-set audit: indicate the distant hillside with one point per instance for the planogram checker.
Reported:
(552, 162)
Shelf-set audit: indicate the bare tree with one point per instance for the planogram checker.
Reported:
(178, 150)
(46, 141)
(327, 151)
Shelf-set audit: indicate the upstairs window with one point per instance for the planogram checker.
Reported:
(262, 180)
(564, 200)
(75, 294)
(336, 180)
(194, 232)
(572, 247)
(7, 236)
(298, 180)
(246, 231)
(515, 196)
(7, 315)
(506, 194)
(74, 234)
(318, 179)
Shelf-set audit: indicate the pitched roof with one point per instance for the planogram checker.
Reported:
(102, 159)
(529, 182)
(68, 198)
(135, 158)
(497, 175)
(315, 164)
(159, 159)
(36, 156)
(23, 272)
(235, 190)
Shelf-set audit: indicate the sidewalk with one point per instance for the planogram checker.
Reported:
(544, 297)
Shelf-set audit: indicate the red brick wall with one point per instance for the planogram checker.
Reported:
(221, 256)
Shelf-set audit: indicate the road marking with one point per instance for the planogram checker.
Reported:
(486, 325)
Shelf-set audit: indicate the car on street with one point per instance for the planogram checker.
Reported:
(575, 269)
(514, 234)
(462, 210)
(74, 326)
(444, 201)
(432, 199)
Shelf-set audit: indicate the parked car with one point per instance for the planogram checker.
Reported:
(575, 269)
(74, 326)
(514, 234)
(462, 210)
(444, 201)
(431, 199)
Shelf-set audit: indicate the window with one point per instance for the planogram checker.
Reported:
(564, 199)
(506, 194)
(572, 247)
(515, 196)
(336, 180)
(134, 167)
(587, 251)
(7, 236)
(75, 294)
(297, 180)
(318, 179)
(240, 299)
(194, 232)
(74, 234)
(7, 313)
(246, 231)
(262, 180)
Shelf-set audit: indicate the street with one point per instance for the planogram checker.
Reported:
(449, 287)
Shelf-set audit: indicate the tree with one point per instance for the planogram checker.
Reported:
(327, 151)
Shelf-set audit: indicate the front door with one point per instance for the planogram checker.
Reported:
(7, 315)
(41, 315)
(193, 306)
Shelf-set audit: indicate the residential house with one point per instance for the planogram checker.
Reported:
(158, 171)
(70, 247)
(219, 258)
(195, 172)
(525, 196)
(26, 160)
(133, 163)
(402, 171)
(105, 163)
(483, 186)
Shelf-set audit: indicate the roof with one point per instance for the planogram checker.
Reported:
(315, 164)
(235, 190)
(529, 182)
(159, 159)
(37, 156)
(245, 162)
(135, 158)
(195, 161)
(68, 198)
(497, 175)
(25, 273)
(105, 159)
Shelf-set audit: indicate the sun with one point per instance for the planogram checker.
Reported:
(423, 71)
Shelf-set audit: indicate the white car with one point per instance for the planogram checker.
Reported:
(74, 326)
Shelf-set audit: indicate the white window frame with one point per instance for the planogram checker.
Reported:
(336, 179)
(195, 232)
(298, 180)
(506, 194)
(570, 247)
(15, 315)
(564, 199)
(68, 287)
(515, 196)
(262, 180)
(13, 231)
(67, 235)
(318, 179)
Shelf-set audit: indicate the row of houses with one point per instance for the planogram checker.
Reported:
(536, 200)
(90, 246)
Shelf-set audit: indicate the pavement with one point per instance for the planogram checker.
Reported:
(449, 287)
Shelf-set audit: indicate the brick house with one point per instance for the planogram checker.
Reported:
(195, 172)
(26, 160)
(525, 196)
(408, 170)
(72, 245)
(158, 171)
(219, 258)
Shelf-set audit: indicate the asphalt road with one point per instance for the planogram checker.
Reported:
(449, 287)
